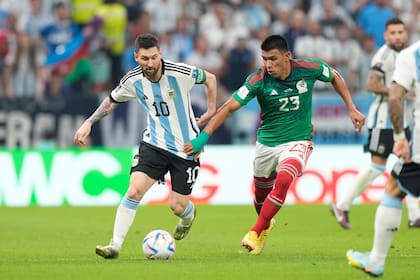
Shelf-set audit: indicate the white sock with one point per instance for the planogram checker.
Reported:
(412, 207)
(188, 214)
(387, 221)
(123, 220)
(362, 181)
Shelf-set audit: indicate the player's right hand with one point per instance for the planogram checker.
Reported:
(82, 134)
(402, 149)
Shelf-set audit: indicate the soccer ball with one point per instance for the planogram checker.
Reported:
(158, 245)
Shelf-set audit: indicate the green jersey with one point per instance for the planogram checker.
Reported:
(286, 105)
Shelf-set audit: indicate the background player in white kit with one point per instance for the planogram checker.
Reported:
(163, 88)
(380, 141)
(405, 177)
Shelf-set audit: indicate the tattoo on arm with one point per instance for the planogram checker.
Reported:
(396, 107)
(104, 109)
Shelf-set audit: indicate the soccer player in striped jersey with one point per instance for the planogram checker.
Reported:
(380, 139)
(283, 87)
(163, 88)
(405, 175)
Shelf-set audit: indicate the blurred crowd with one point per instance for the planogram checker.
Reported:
(54, 48)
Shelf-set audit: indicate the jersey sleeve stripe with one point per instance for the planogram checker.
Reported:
(184, 67)
(131, 73)
(258, 77)
(181, 70)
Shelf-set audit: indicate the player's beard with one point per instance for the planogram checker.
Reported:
(398, 46)
(151, 73)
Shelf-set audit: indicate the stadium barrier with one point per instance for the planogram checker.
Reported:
(99, 177)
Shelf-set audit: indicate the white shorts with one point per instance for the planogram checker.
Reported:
(267, 158)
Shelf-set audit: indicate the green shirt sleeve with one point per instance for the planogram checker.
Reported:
(325, 73)
(249, 89)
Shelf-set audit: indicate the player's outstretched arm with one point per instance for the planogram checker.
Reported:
(224, 112)
(357, 118)
(104, 109)
(211, 92)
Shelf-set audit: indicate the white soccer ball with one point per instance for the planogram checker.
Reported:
(158, 245)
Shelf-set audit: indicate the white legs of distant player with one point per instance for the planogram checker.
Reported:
(363, 180)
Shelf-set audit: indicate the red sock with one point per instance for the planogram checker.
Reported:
(289, 169)
(262, 187)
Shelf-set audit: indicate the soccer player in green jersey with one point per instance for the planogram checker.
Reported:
(283, 87)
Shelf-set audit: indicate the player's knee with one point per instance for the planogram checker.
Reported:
(134, 193)
(288, 170)
(393, 189)
(263, 182)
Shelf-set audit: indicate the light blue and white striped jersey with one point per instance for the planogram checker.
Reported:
(171, 121)
(407, 74)
(383, 63)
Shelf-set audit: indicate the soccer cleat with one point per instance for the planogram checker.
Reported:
(361, 261)
(341, 216)
(254, 243)
(107, 252)
(414, 224)
(182, 230)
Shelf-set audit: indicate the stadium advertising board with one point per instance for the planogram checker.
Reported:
(93, 177)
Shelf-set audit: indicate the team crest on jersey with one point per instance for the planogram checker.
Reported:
(171, 93)
(302, 86)
(381, 149)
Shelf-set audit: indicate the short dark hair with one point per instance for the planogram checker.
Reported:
(393, 21)
(146, 41)
(275, 42)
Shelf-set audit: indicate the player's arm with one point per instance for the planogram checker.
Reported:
(396, 107)
(396, 112)
(224, 112)
(211, 92)
(357, 118)
(104, 109)
(375, 83)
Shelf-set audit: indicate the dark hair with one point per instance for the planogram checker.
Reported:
(146, 41)
(393, 21)
(275, 42)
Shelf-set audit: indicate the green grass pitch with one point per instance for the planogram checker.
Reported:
(307, 243)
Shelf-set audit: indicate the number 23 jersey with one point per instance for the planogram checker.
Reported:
(286, 105)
